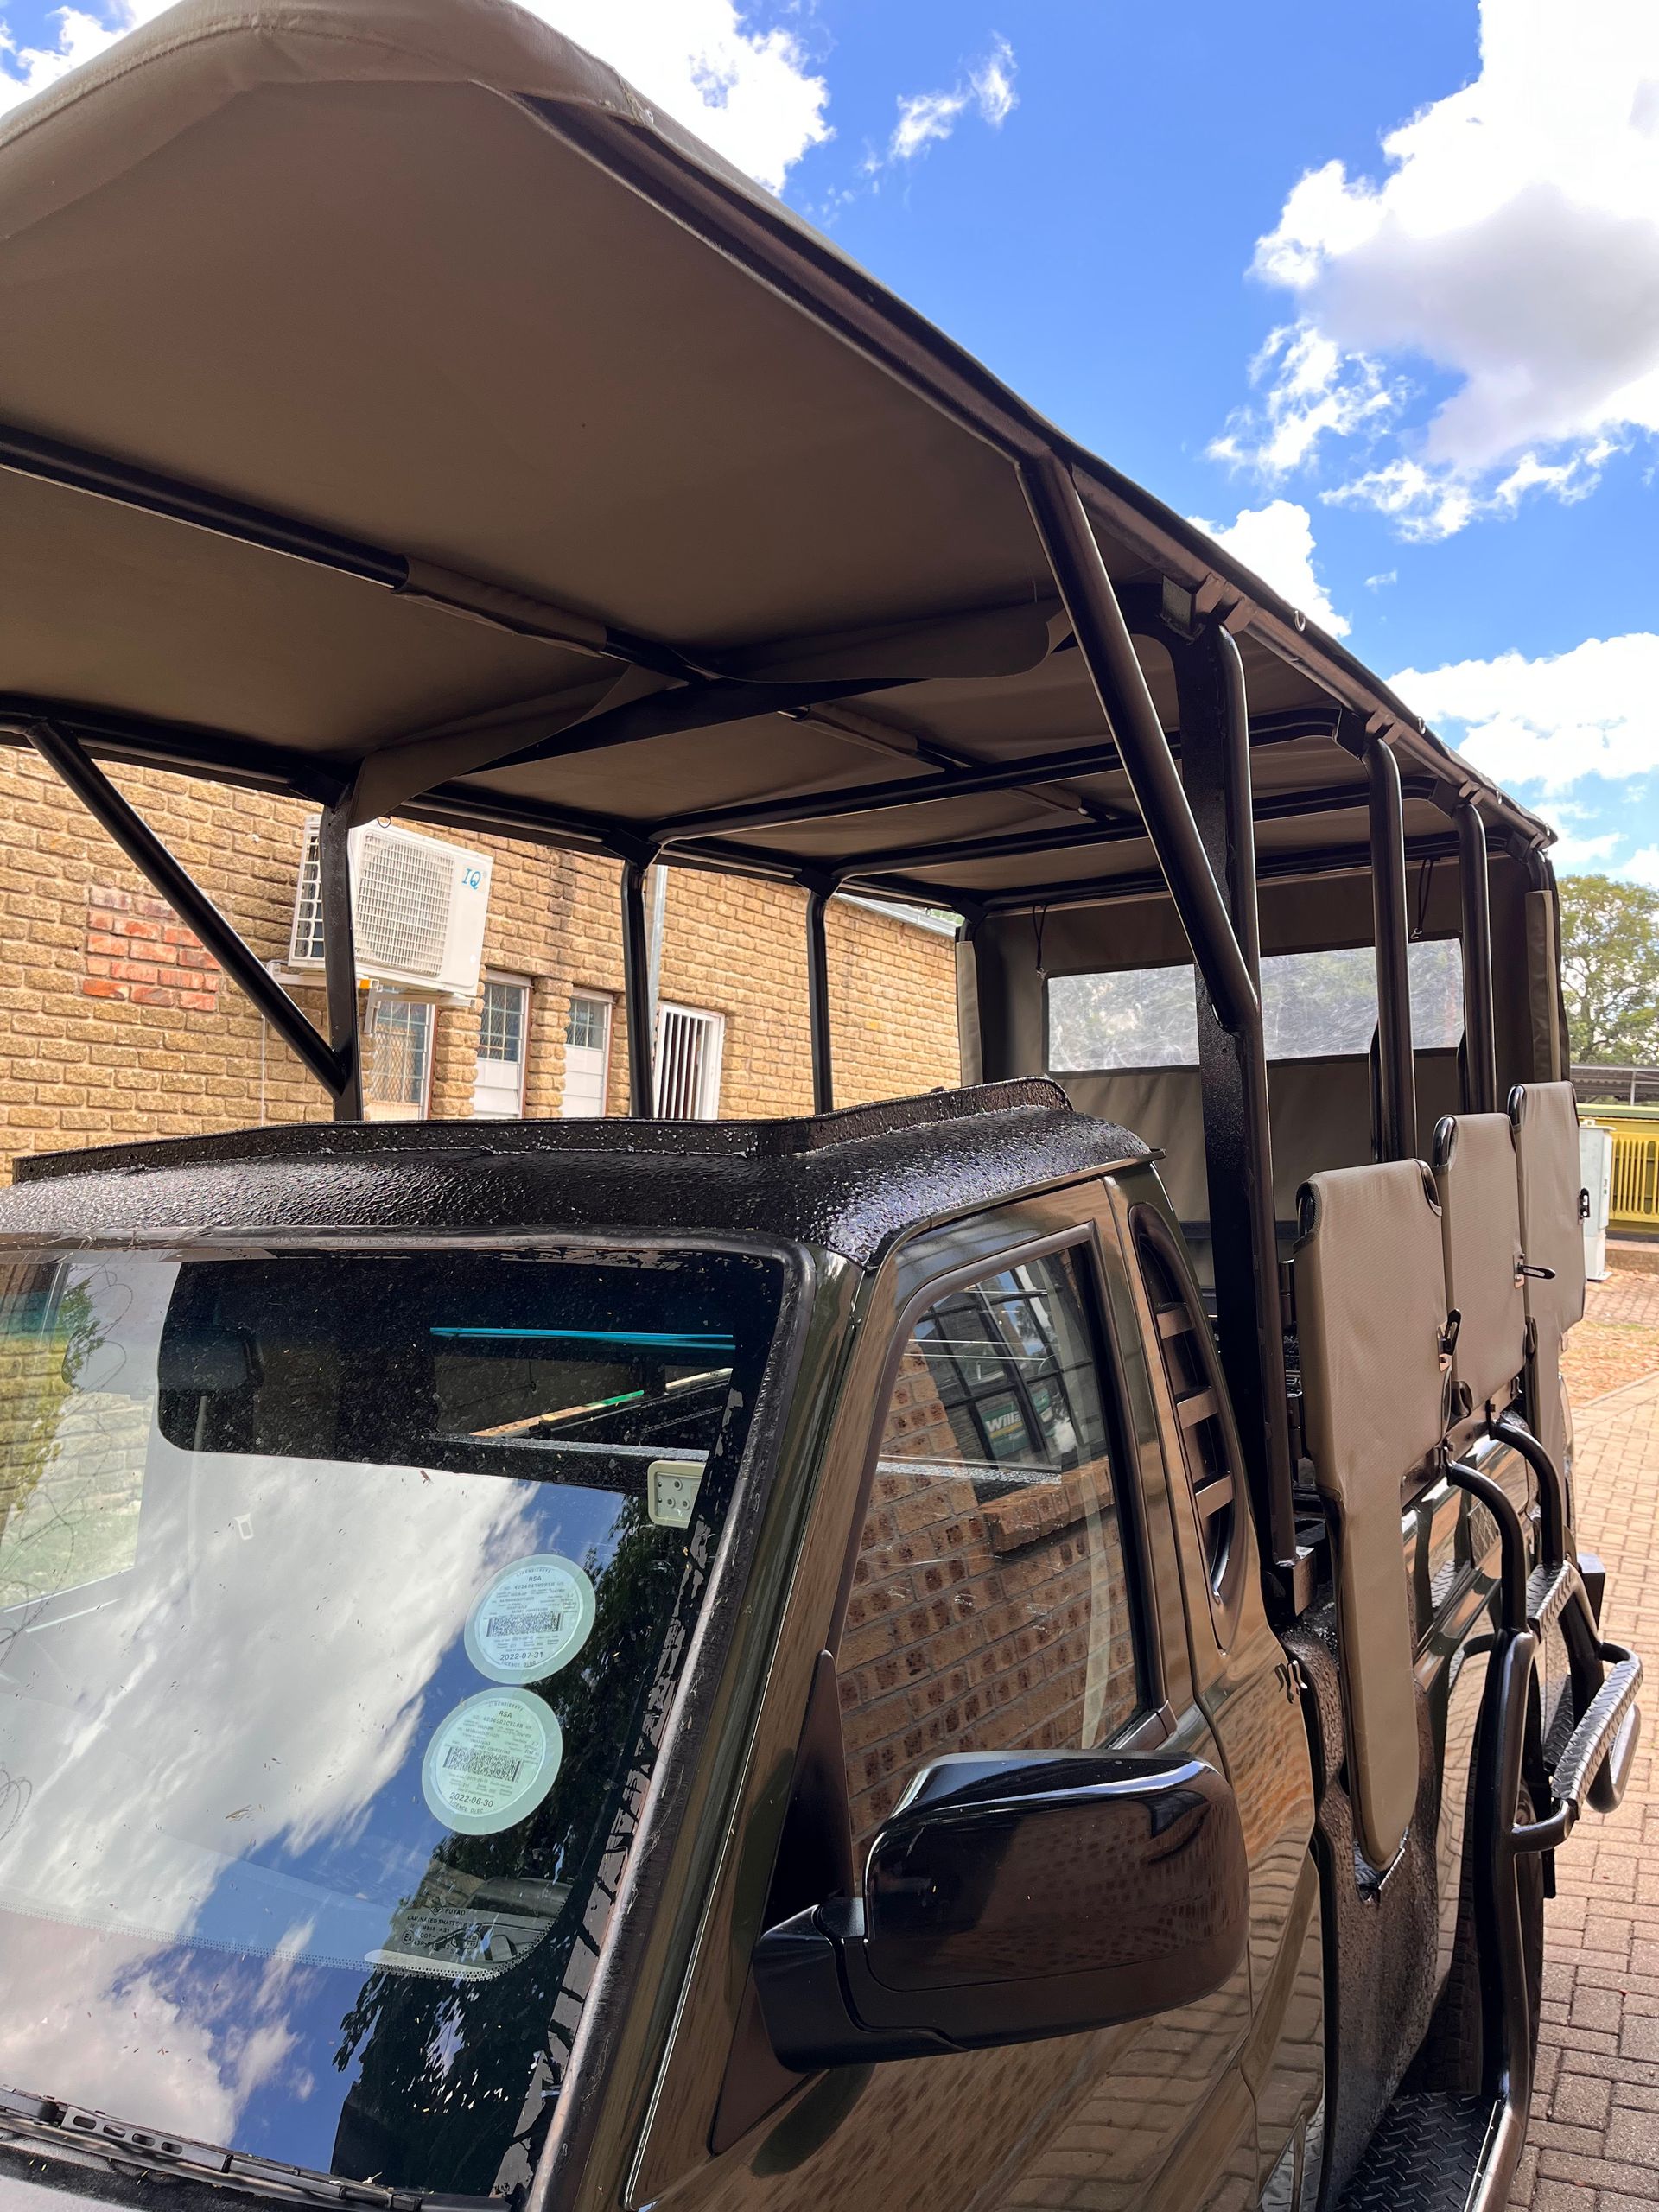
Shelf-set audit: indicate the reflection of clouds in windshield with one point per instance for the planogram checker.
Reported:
(176, 2065)
(270, 1686)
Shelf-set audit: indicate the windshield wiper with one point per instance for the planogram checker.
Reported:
(52, 2124)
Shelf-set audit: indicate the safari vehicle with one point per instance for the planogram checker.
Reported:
(1019, 1648)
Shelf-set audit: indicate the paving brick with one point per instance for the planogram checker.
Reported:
(1595, 2138)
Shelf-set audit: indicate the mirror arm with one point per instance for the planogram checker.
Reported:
(805, 1970)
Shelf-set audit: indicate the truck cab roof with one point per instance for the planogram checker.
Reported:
(849, 1182)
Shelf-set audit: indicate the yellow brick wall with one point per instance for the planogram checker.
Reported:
(114, 1026)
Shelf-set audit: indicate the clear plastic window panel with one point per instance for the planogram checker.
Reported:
(1314, 1006)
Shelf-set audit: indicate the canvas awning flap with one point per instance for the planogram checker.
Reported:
(341, 264)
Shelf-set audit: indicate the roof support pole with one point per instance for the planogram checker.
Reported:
(817, 994)
(1219, 933)
(1104, 639)
(1396, 1136)
(636, 988)
(1233, 1078)
(339, 956)
(189, 902)
(1480, 1027)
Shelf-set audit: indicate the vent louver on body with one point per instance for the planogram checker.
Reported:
(418, 909)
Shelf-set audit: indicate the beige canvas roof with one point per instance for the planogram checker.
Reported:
(439, 432)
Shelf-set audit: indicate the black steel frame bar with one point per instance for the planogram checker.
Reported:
(636, 992)
(148, 491)
(1098, 623)
(1013, 844)
(817, 994)
(1480, 1028)
(1397, 1074)
(1233, 1075)
(339, 956)
(970, 781)
(891, 791)
(157, 866)
(1099, 891)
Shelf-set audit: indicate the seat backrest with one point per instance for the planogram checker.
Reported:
(1546, 1120)
(1370, 1314)
(1480, 1231)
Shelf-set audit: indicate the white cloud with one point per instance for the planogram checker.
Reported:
(1277, 542)
(749, 92)
(1594, 711)
(1643, 867)
(987, 87)
(1513, 243)
(1571, 852)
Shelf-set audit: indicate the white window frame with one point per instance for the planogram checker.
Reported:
(501, 981)
(667, 1087)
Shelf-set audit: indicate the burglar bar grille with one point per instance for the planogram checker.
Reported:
(688, 1064)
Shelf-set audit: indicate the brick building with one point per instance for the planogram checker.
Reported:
(115, 1025)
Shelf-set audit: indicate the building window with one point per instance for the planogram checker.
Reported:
(397, 1057)
(587, 1055)
(503, 1025)
(688, 1045)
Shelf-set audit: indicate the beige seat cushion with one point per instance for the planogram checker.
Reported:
(1371, 1310)
(1546, 1118)
(1480, 1228)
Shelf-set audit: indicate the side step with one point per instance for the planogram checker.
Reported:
(1430, 2153)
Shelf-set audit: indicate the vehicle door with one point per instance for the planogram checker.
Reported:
(1242, 1680)
(1008, 1586)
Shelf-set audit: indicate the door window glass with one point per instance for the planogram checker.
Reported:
(587, 1055)
(498, 1086)
(990, 1608)
(397, 1057)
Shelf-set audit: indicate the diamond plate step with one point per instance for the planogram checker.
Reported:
(1426, 2156)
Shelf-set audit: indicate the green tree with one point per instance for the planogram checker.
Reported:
(1610, 970)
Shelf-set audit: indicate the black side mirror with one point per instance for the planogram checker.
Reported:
(1009, 1899)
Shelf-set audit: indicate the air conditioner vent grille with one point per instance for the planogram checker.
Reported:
(402, 912)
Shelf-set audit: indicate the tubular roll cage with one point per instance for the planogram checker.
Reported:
(1199, 816)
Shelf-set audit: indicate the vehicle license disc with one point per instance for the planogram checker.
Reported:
(491, 1761)
(532, 1619)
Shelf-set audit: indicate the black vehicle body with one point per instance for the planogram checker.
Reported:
(1172, 1831)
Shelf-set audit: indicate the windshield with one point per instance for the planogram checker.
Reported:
(342, 1600)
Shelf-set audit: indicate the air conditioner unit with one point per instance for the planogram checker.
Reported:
(418, 908)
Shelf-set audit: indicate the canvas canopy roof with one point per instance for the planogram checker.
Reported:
(395, 403)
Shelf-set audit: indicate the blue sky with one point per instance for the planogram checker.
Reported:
(1372, 286)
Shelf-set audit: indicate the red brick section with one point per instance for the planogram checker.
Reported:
(1594, 2144)
(137, 951)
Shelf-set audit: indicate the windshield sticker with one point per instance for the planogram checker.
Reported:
(532, 1619)
(491, 1761)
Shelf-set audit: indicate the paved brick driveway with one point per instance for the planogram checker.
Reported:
(1594, 2144)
